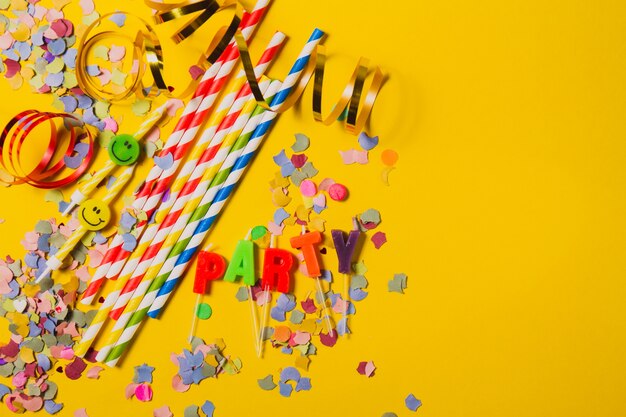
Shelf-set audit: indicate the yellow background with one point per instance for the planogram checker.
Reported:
(506, 210)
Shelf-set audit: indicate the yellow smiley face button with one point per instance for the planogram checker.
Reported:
(94, 214)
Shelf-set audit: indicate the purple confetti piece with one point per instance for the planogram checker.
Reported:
(82, 149)
(367, 143)
(70, 58)
(119, 19)
(277, 314)
(55, 80)
(57, 47)
(84, 102)
(280, 216)
(93, 70)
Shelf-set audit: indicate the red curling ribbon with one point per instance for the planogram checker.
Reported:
(47, 174)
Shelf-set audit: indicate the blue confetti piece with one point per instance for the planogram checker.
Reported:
(31, 259)
(367, 143)
(304, 384)
(280, 216)
(285, 303)
(84, 102)
(130, 242)
(51, 407)
(333, 298)
(23, 48)
(43, 244)
(286, 350)
(33, 329)
(55, 80)
(82, 149)
(342, 326)
(412, 403)
(287, 169)
(351, 309)
(285, 389)
(358, 294)
(72, 162)
(164, 162)
(318, 209)
(57, 47)
(93, 70)
(119, 19)
(4, 390)
(289, 374)
(15, 289)
(11, 54)
(89, 116)
(127, 221)
(37, 38)
(44, 362)
(281, 159)
(99, 239)
(327, 275)
(277, 314)
(99, 125)
(70, 58)
(69, 103)
(50, 326)
(143, 373)
(63, 206)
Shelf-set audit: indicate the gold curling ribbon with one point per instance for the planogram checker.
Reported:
(146, 44)
(350, 98)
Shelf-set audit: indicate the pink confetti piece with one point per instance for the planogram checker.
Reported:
(379, 239)
(104, 77)
(110, 124)
(162, 412)
(12, 68)
(81, 412)
(94, 373)
(6, 40)
(129, 391)
(87, 6)
(117, 53)
(275, 229)
(177, 384)
(308, 188)
(195, 72)
(325, 184)
(173, 105)
(143, 392)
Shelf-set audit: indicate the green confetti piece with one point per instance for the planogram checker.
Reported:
(309, 170)
(204, 311)
(296, 316)
(371, 216)
(267, 383)
(358, 281)
(258, 232)
(397, 283)
(102, 52)
(43, 227)
(302, 143)
(359, 268)
(141, 107)
(242, 294)
(192, 411)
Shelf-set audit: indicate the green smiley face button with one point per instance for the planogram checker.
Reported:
(124, 149)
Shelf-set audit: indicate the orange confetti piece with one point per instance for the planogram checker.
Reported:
(389, 157)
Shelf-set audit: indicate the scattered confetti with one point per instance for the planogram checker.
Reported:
(366, 368)
(267, 383)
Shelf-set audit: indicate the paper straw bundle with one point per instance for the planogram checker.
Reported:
(221, 198)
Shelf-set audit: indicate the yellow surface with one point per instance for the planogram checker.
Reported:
(507, 212)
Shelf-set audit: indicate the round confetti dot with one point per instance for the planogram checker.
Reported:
(308, 188)
(258, 232)
(389, 157)
(338, 192)
(204, 311)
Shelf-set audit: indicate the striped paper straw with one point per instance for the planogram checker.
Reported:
(189, 178)
(223, 195)
(203, 208)
(110, 266)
